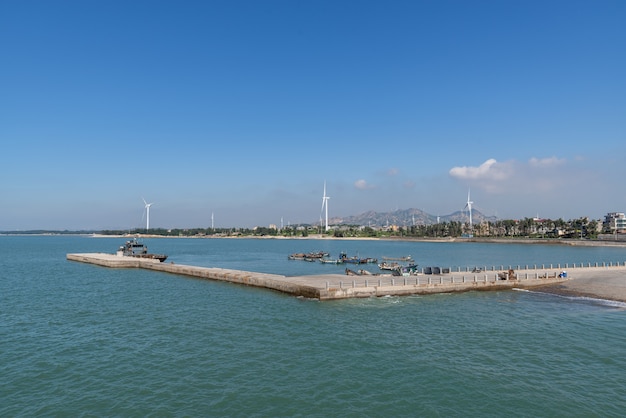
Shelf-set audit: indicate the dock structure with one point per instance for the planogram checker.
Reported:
(339, 286)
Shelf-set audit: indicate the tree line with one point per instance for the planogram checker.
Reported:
(527, 227)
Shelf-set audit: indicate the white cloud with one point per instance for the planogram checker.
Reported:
(489, 170)
(545, 162)
(537, 175)
(363, 185)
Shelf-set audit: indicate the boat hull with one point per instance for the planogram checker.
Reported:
(160, 257)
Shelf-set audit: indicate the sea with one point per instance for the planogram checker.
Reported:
(78, 340)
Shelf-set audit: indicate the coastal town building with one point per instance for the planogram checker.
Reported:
(615, 223)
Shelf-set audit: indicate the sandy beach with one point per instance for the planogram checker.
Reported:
(602, 283)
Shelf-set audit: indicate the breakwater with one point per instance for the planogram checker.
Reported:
(338, 286)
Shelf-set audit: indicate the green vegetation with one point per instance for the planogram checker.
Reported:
(525, 228)
(581, 228)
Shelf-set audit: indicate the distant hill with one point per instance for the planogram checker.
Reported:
(408, 217)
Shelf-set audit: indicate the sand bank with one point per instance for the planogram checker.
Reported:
(602, 283)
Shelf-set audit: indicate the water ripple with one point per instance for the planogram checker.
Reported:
(79, 340)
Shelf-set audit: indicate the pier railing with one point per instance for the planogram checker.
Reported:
(482, 275)
(420, 280)
(535, 266)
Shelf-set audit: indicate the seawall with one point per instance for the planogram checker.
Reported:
(339, 286)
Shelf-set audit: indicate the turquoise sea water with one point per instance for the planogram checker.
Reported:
(82, 340)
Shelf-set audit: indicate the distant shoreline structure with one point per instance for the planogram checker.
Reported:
(321, 237)
(544, 241)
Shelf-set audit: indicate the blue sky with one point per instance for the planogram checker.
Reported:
(244, 108)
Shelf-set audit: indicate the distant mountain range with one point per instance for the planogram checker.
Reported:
(408, 217)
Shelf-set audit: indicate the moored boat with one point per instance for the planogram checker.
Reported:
(134, 248)
(398, 269)
(396, 266)
(356, 260)
(389, 266)
(307, 256)
(410, 270)
(407, 258)
(325, 260)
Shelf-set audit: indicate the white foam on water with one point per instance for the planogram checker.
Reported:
(606, 302)
(596, 301)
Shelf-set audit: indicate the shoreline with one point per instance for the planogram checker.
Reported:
(602, 283)
(321, 237)
(486, 240)
(480, 240)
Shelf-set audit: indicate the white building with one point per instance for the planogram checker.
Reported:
(614, 222)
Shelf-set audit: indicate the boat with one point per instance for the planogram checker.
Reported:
(407, 258)
(134, 248)
(360, 272)
(406, 271)
(396, 266)
(307, 256)
(389, 266)
(356, 260)
(325, 260)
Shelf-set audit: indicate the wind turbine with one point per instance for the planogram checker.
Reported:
(468, 205)
(325, 205)
(147, 207)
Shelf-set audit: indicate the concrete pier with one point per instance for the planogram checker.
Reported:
(339, 286)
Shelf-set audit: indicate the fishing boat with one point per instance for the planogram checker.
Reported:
(325, 260)
(308, 256)
(396, 266)
(389, 266)
(356, 260)
(407, 259)
(134, 248)
(410, 270)
(399, 269)
(360, 272)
